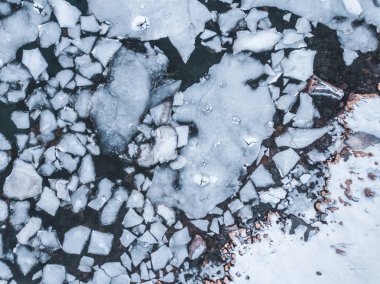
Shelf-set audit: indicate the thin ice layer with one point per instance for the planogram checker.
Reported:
(232, 121)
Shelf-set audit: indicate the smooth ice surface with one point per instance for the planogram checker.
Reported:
(300, 138)
(180, 20)
(75, 239)
(285, 161)
(211, 173)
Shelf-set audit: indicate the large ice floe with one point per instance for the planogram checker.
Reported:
(136, 137)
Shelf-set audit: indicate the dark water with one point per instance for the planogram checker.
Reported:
(362, 76)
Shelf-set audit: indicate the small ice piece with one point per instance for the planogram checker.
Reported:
(29, 230)
(89, 24)
(19, 214)
(228, 21)
(180, 238)
(148, 213)
(79, 198)
(161, 257)
(256, 42)
(3, 210)
(214, 227)
(132, 219)
(48, 202)
(113, 269)
(85, 264)
(23, 182)
(100, 277)
(25, 259)
(48, 123)
(66, 14)
(349, 56)
(100, 243)
(64, 77)
(361, 38)
(201, 224)
(126, 261)
(158, 230)
(105, 49)
(197, 247)
(166, 213)
(353, 6)
(303, 26)
(4, 160)
(305, 112)
(235, 206)
(228, 219)
(4, 143)
(75, 239)
(285, 161)
(183, 135)
(70, 143)
(5, 272)
(34, 61)
(214, 44)
(103, 195)
(135, 200)
(85, 44)
(300, 138)
(87, 170)
(127, 238)
(254, 17)
(207, 34)
(49, 239)
(261, 177)
(21, 119)
(272, 196)
(53, 273)
(49, 33)
(248, 192)
(111, 210)
(147, 238)
(161, 113)
(299, 64)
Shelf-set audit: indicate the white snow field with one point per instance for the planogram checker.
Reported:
(136, 136)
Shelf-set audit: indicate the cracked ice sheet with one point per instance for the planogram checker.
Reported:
(180, 20)
(232, 121)
(129, 90)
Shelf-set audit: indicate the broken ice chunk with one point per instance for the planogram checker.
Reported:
(100, 243)
(201, 224)
(285, 161)
(197, 247)
(66, 14)
(5, 272)
(300, 138)
(248, 192)
(29, 230)
(161, 113)
(272, 196)
(105, 49)
(103, 195)
(49, 239)
(48, 123)
(353, 6)
(166, 213)
(261, 177)
(235, 205)
(228, 21)
(132, 219)
(89, 24)
(127, 238)
(4, 143)
(113, 269)
(21, 119)
(161, 257)
(49, 34)
(86, 263)
(75, 239)
(299, 64)
(53, 273)
(4, 160)
(3, 210)
(256, 42)
(25, 259)
(23, 182)
(87, 170)
(34, 61)
(79, 198)
(306, 112)
(48, 202)
(135, 200)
